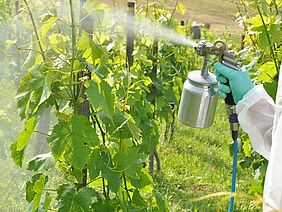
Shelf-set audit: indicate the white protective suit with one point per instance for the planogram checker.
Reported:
(261, 118)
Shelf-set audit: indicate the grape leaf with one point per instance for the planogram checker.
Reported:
(58, 42)
(101, 100)
(138, 200)
(71, 140)
(34, 189)
(17, 156)
(162, 204)
(18, 147)
(45, 203)
(41, 162)
(255, 21)
(71, 200)
(83, 41)
(262, 40)
(267, 72)
(96, 164)
(181, 9)
(130, 162)
(100, 161)
(25, 134)
(247, 148)
(276, 33)
(271, 89)
(144, 181)
(91, 51)
(32, 93)
(113, 178)
(48, 22)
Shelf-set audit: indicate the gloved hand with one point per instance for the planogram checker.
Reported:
(239, 81)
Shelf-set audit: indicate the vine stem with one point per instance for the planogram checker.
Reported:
(104, 187)
(174, 9)
(268, 39)
(276, 7)
(50, 189)
(42, 133)
(125, 186)
(35, 29)
(73, 44)
(95, 120)
(245, 26)
(245, 8)
(147, 8)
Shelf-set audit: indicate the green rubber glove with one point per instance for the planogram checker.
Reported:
(239, 81)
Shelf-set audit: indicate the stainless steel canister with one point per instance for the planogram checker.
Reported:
(198, 100)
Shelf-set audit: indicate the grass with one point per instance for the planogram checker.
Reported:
(198, 163)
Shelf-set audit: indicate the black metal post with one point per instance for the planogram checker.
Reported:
(130, 34)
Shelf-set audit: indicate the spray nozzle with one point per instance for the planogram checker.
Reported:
(218, 48)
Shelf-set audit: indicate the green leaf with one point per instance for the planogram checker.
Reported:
(247, 148)
(83, 41)
(271, 89)
(29, 192)
(92, 51)
(147, 80)
(47, 202)
(48, 22)
(71, 200)
(276, 33)
(38, 188)
(17, 156)
(267, 72)
(46, 93)
(125, 144)
(100, 161)
(58, 42)
(25, 134)
(32, 93)
(118, 127)
(130, 162)
(162, 204)
(113, 178)
(255, 21)
(138, 200)
(263, 40)
(103, 99)
(30, 61)
(150, 136)
(104, 204)
(71, 140)
(11, 42)
(135, 131)
(41, 162)
(96, 164)
(34, 189)
(109, 98)
(181, 9)
(144, 181)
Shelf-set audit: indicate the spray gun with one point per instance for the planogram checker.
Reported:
(200, 94)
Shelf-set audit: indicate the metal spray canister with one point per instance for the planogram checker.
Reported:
(198, 100)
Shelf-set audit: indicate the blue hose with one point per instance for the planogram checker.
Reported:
(234, 170)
